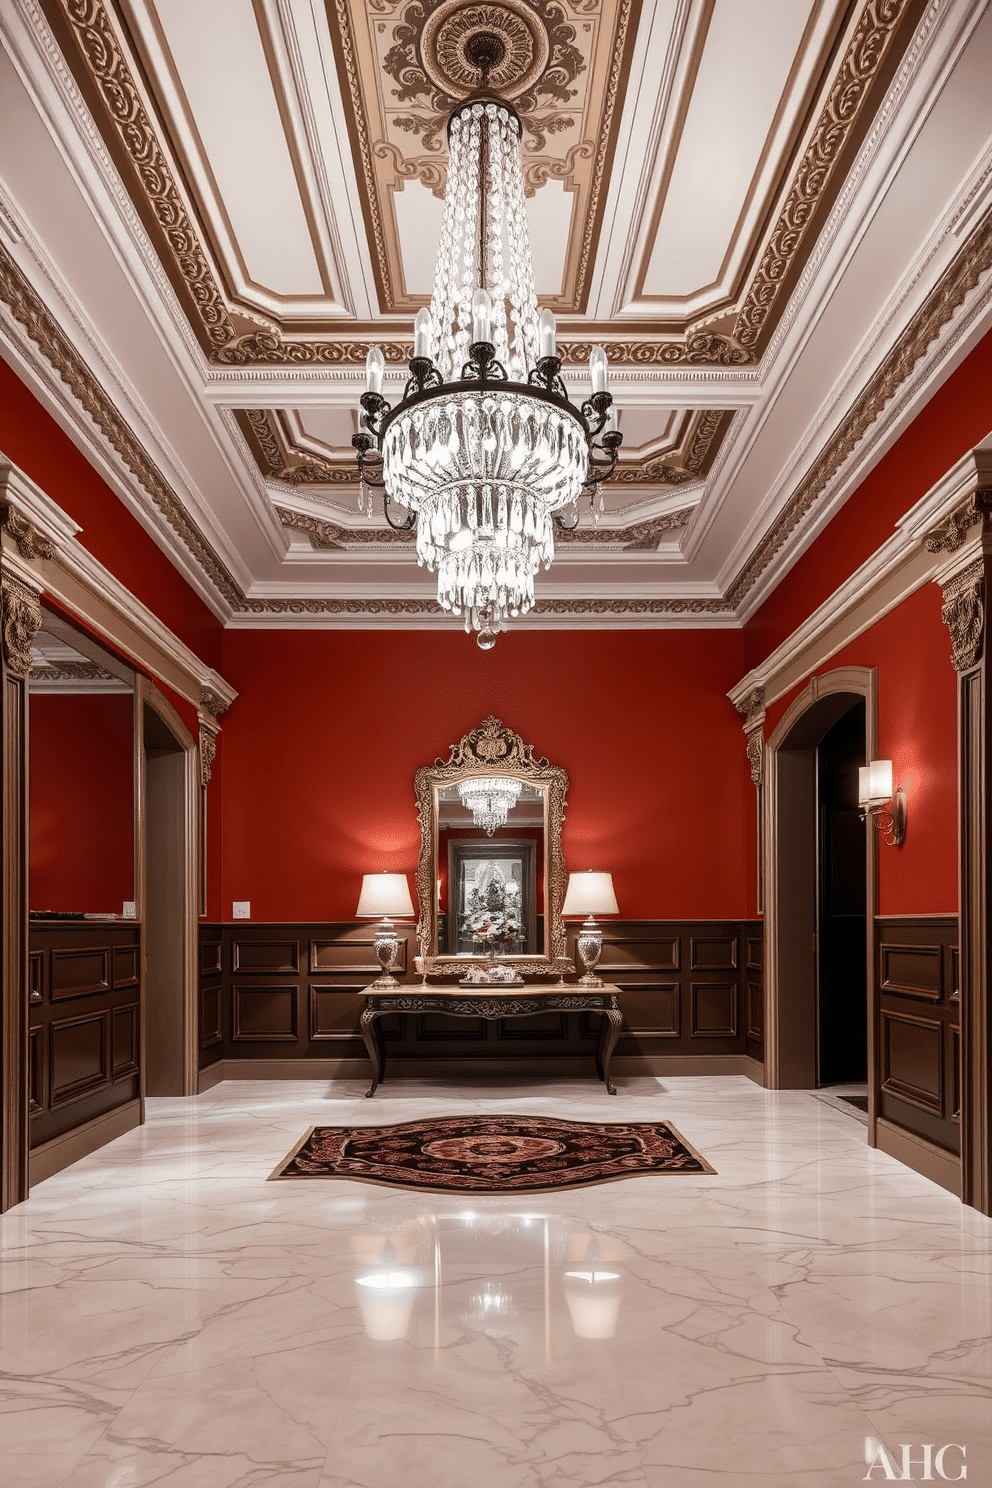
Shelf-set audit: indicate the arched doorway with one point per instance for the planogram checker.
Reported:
(819, 917)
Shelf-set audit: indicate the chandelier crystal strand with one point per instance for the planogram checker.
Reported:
(485, 448)
(490, 800)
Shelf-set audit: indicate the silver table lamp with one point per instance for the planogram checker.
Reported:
(590, 894)
(385, 894)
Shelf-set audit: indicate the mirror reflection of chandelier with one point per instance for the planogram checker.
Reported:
(490, 800)
(485, 450)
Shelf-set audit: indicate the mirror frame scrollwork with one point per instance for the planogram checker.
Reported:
(489, 749)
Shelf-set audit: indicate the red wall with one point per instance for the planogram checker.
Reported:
(957, 418)
(33, 441)
(917, 731)
(917, 727)
(321, 747)
(82, 803)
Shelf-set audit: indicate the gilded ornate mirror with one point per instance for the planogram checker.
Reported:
(491, 875)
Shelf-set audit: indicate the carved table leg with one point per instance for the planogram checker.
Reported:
(609, 1033)
(372, 1043)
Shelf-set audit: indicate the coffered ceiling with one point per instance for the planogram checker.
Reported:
(776, 217)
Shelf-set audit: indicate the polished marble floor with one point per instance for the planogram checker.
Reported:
(170, 1317)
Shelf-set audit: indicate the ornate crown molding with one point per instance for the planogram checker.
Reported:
(952, 289)
(21, 623)
(963, 612)
(425, 66)
(844, 110)
(74, 671)
(29, 311)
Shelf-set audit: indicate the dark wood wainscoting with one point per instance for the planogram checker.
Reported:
(84, 1024)
(291, 992)
(918, 1038)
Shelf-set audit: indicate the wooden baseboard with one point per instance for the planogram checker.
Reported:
(754, 1070)
(51, 1157)
(485, 1072)
(923, 1157)
(212, 1075)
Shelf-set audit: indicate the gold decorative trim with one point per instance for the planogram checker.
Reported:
(952, 533)
(75, 671)
(30, 543)
(212, 702)
(835, 126)
(950, 292)
(208, 753)
(492, 746)
(752, 707)
(963, 612)
(30, 312)
(108, 69)
(21, 623)
(562, 608)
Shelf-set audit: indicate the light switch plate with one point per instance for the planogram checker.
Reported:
(129, 910)
(242, 909)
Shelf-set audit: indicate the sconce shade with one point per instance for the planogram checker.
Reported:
(590, 894)
(384, 894)
(875, 783)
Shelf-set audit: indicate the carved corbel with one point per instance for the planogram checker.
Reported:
(208, 752)
(212, 702)
(21, 623)
(752, 707)
(30, 543)
(963, 613)
(952, 533)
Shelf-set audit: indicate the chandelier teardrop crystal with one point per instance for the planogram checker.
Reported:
(490, 799)
(485, 450)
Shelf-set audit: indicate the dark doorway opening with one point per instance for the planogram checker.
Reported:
(164, 906)
(841, 928)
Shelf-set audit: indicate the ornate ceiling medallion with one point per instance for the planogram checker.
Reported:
(444, 45)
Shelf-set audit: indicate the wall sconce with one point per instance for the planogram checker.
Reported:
(877, 798)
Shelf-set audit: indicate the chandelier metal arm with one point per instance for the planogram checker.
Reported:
(601, 470)
(409, 521)
(367, 450)
(560, 525)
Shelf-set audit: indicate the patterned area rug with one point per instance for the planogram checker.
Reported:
(491, 1154)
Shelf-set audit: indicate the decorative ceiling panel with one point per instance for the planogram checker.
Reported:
(403, 67)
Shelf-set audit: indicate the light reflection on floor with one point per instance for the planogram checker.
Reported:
(169, 1317)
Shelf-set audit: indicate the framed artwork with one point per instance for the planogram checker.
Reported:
(492, 898)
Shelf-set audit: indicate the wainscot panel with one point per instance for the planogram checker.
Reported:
(84, 1023)
(292, 993)
(917, 1033)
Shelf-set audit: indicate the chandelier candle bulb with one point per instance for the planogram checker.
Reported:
(375, 369)
(422, 335)
(482, 316)
(597, 369)
(547, 334)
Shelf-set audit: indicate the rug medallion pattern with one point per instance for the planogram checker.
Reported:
(491, 1154)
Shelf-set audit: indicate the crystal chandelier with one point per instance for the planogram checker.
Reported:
(485, 450)
(490, 800)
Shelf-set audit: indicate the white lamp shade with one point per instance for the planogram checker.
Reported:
(590, 894)
(875, 783)
(384, 894)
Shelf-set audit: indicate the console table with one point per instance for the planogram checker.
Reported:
(491, 1003)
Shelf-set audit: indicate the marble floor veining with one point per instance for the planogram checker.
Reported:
(813, 1314)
